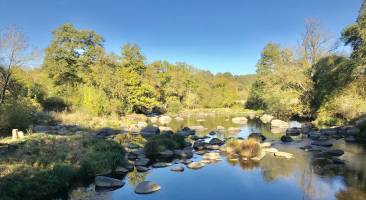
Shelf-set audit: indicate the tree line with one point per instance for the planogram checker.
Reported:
(314, 81)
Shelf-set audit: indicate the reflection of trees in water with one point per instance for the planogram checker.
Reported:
(135, 177)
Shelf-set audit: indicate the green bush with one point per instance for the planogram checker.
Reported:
(54, 104)
(18, 114)
(163, 142)
(45, 166)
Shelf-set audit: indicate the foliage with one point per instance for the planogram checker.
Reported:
(165, 141)
(42, 166)
(249, 148)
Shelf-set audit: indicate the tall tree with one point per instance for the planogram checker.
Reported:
(13, 53)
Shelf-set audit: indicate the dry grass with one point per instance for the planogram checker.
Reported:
(249, 148)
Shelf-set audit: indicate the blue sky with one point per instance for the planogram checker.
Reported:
(216, 35)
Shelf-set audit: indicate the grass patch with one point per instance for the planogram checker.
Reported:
(43, 166)
(247, 148)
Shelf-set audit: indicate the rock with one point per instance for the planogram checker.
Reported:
(334, 152)
(130, 167)
(239, 120)
(257, 136)
(270, 150)
(41, 129)
(259, 157)
(153, 120)
(121, 170)
(149, 131)
(160, 165)
(165, 120)
(178, 119)
(216, 141)
(186, 132)
(322, 144)
(350, 138)
(286, 138)
(234, 129)
(306, 128)
(221, 128)
(147, 187)
(104, 132)
(201, 152)
(141, 124)
(186, 161)
(195, 165)
(183, 153)
(251, 115)
(212, 133)
(104, 181)
(211, 156)
(314, 135)
(266, 118)
(213, 147)
(177, 169)
(338, 161)
(166, 154)
(165, 129)
(199, 144)
(142, 162)
(283, 154)
(353, 131)
(293, 132)
(329, 131)
(321, 161)
(279, 124)
(265, 144)
(142, 169)
(133, 146)
(198, 128)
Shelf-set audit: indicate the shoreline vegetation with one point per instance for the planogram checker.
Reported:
(85, 114)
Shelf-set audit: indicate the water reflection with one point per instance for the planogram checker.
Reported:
(271, 178)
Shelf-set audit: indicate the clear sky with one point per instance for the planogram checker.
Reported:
(217, 35)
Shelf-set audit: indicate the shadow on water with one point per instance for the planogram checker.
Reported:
(271, 178)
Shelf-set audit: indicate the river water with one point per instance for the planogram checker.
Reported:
(271, 178)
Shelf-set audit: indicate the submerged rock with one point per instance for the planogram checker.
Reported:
(334, 152)
(161, 165)
(147, 187)
(195, 165)
(103, 181)
(177, 169)
(286, 138)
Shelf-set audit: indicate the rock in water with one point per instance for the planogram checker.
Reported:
(195, 165)
(142, 162)
(279, 124)
(286, 138)
(211, 156)
(165, 120)
(266, 118)
(283, 154)
(177, 169)
(239, 120)
(103, 181)
(147, 187)
(142, 169)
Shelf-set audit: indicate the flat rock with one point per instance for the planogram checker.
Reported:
(142, 169)
(322, 144)
(211, 156)
(195, 165)
(283, 154)
(335, 152)
(147, 187)
(239, 120)
(216, 141)
(286, 138)
(104, 181)
(270, 150)
(177, 169)
(142, 162)
(160, 165)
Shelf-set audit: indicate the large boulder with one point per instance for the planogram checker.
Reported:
(276, 123)
(104, 181)
(147, 187)
(149, 131)
(266, 118)
(239, 120)
(165, 120)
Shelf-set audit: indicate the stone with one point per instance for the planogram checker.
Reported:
(257, 136)
(251, 115)
(104, 181)
(286, 138)
(142, 124)
(283, 155)
(177, 169)
(239, 120)
(329, 131)
(142, 169)
(133, 146)
(234, 129)
(142, 162)
(213, 147)
(160, 165)
(186, 161)
(338, 161)
(216, 141)
(147, 187)
(265, 144)
(266, 118)
(166, 129)
(350, 139)
(334, 152)
(279, 124)
(322, 144)
(211, 156)
(293, 132)
(220, 128)
(130, 167)
(153, 120)
(178, 119)
(41, 129)
(186, 133)
(306, 128)
(353, 131)
(198, 128)
(165, 120)
(183, 153)
(270, 150)
(199, 144)
(149, 131)
(14, 134)
(166, 154)
(314, 135)
(212, 133)
(195, 165)
(121, 170)
(104, 132)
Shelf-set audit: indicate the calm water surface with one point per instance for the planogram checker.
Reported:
(271, 178)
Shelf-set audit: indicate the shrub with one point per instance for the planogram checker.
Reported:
(18, 114)
(249, 148)
(163, 142)
(54, 104)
